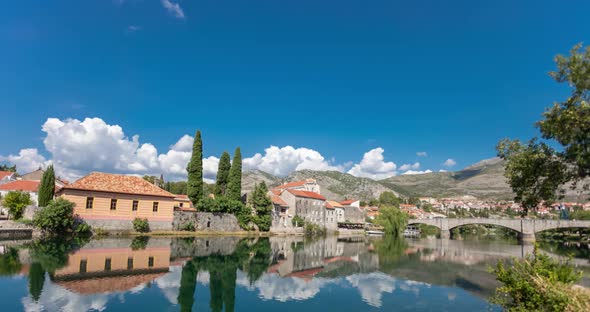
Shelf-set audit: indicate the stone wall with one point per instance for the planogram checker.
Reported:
(29, 212)
(200, 247)
(126, 225)
(207, 221)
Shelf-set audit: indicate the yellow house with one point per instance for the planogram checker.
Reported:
(112, 201)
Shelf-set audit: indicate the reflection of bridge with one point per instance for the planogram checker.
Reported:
(526, 228)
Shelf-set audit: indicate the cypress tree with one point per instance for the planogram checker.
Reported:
(194, 186)
(47, 187)
(222, 174)
(188, 284)
(36, 280)
(234, 184)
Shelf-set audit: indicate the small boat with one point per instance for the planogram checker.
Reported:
(375, 232)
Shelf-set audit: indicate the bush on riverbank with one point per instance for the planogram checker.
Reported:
(141, 225)
(58, 218)
(16, 201)
(312, 229)
(539, 283)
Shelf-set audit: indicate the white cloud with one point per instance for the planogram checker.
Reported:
(443, 170)
(281, 161)
(372, 286)
(133, 28)
(27, 160)
(416, 172)
(449, 163)
(373, 166)
(173, 8)
(421, 154)
(406, 167)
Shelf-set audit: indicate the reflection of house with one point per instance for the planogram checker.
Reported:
(7, 176)
(111, 201)
(92, 271)
(30, 187)
(183, 203)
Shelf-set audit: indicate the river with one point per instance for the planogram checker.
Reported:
(264, 274)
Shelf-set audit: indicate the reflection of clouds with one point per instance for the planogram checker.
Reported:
(272, 286)
(203, 277)
(57, 298)
(372, 286)
(169, 284)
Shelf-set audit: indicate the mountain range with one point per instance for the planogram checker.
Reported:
(484, 180)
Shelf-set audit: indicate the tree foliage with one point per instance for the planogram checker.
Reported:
(389, 199)
(141, 225)
(5, 167)
(393, 220)
(47, 187)
(222, 174)
(262, 206)
(539, 283)
(234, 184)
(16, 201)
(57, 217)
(533, 171)
(195, 171)
(188, 284)
(536, 171)
(36, 280)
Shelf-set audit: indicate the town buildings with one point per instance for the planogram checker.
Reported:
(111, 201)
(7, 176)
(303, 199)
(31, 187)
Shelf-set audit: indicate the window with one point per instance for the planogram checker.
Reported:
(83, 265)
(89, 202)
(181, 205)
(107, 264)
(150, 262)
(155, 207)
(113, 204)
(134, 205)
(130, 263)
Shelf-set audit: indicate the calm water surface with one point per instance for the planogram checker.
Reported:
(266, 274)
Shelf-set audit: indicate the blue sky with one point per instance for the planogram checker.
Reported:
(449, 78)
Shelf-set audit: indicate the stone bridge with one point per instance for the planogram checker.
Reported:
(526, 228)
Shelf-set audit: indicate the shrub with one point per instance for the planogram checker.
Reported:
(141, 225)
(56, 218)
(16, 201)
(83, 229)
(189, 226)
(263, 222)
(312, 229)
(539, 283)
(298, 221)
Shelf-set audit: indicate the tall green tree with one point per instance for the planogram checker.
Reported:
(195, 171)
(36, 280)
(47, 187)
(262, 205)
(234, 184)
(16, 201)
(538, 172)
(389, 199)
(393, 220)
(222, 174)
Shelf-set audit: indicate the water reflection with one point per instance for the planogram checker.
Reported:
(237, 274)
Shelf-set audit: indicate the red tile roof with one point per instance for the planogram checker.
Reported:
(276, 191)
(333, 204)
(20, 185)
(307, 194)
(4, 174)
(291, 184)
(347, 202)
(114, 183)
(278, 201)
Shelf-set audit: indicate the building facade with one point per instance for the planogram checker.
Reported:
(111, 201)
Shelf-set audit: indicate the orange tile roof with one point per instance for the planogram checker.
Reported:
(4, 174)
(306, 194)
(333, 204)
(291, 184)
(276, 191)
(278, 201)
(115, 183)
(20, 185)
(347, 202)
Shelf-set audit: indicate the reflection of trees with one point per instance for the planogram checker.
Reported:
(36, 280)
(139, 242)
(53, 252)
(9, 262)
(390, 249)
(250, 256)
(188, 282)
